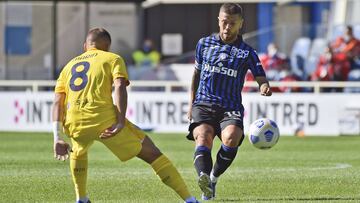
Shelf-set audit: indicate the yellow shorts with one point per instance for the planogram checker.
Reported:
(125, 145)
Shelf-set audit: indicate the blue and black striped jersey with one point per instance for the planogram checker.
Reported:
(223, 68)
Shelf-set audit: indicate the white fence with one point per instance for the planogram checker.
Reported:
(168, 86)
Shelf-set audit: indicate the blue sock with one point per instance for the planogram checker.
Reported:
(224, 158)
(202, 160)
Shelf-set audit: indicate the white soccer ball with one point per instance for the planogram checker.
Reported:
(263, 133)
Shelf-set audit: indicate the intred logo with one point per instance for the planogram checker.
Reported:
(129, 112)
(19, 111)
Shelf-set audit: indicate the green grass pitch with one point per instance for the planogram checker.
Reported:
(309, 169)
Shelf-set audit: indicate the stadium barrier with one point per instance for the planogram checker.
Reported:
(315, 113)
(170, 86)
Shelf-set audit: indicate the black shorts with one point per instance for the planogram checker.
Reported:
(215, 116)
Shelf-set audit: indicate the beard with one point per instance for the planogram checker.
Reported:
(228, 37)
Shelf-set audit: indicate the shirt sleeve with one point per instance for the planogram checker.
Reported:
(60, 83)
(118, 70)
(255, 65)
(198, 55)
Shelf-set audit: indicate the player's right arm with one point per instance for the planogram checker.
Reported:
(61, 148)
(196, 76)
(194, 86)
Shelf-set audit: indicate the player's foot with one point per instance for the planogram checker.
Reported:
(213, 186)
(204, 183)
(191, 200)
(212, 196)
(79, 201)
(213, 180)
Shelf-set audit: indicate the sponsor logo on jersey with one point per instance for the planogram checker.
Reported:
(239, 53)
(223, 56)
(221, 70)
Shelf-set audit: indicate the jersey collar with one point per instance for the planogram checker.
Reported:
(91, 49)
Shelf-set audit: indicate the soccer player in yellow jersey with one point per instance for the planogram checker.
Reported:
(84, 110)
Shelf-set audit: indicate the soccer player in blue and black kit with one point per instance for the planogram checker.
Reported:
(221, 63)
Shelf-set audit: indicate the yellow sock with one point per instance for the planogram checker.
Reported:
(170, 176)
(79, 174)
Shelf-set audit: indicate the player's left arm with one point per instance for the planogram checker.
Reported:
(259, 74)
(264, 86)
(120, 98)
(120, 81)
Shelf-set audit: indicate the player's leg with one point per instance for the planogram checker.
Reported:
(79, 168)
(203, 135)
(230, 137)
(131, 142)
(163, 167)
(202, 132)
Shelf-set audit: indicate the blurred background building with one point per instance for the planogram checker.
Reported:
(38, 37)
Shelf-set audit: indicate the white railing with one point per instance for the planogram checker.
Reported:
(35, 85)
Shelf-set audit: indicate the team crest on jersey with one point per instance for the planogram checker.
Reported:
(239, 53)
(223, 56)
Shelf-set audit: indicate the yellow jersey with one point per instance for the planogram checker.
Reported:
(87, 82)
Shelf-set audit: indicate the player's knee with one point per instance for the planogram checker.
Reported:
(203, 131)
(231, 140)
(155, 153)
(149, 151)
(204, 139)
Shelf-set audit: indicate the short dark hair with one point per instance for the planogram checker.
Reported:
(99, 34)
(232, 9)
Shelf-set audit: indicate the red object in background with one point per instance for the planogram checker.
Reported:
(276, 62)
(289, 78)
(249, 77)
(334, 68)
(350, 48)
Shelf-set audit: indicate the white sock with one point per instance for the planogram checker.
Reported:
(191, 199)
(213, 178)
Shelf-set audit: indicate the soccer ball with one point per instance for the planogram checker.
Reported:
(263, 133)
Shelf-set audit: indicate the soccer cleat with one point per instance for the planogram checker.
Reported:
(212, 197)
(196, 201)
(213, 186)
(204, 183)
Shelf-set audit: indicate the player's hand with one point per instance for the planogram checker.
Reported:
(265, 90)
(112, 131)
(61, 150)
(189, 115)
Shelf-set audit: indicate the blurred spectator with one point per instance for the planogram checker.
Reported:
(332, 67)
(348, 45)
(288, 76)
(273, 59)
(277, 68)
(148, 56)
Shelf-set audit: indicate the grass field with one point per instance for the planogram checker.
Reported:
(310, 169)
